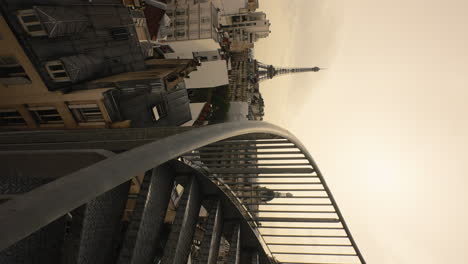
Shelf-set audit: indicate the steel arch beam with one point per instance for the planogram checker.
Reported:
(27, 213)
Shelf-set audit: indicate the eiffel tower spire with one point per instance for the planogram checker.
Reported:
(265, 72)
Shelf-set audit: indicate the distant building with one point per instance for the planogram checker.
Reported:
(241, 76)
(252, 5)
(244, 29)
(244, 78)
(231, 7)
(193, 28)
(256, 106)
(242, 92)
(193, 33)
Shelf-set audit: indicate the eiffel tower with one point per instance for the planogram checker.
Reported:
(265, 72)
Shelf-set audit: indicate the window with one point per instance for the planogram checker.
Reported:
(180, 33)
(57, 71)
(169, 13)
(30, 22)
(45, 115)
(119, 33)
(86, 113)
(29, 18)
(166, 49)
(205, 20)
(180, 12)
(180, 23)
(11, 72)
(159, 111)
(205, 32)
(11, 117)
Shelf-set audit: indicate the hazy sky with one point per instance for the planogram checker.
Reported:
(387, 122)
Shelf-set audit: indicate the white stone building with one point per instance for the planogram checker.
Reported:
(244, 29)
(232, 7)
(193, 33)
(193, 27)
(210, 74)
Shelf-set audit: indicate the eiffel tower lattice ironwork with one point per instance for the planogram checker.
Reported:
(265, 72)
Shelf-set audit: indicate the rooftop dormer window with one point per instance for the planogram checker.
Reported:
(57, 71)
(52, 21)
(31, 23)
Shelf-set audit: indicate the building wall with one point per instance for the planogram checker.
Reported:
(232, 6)
(26, 103)
(240, 76)
(252, 5)
(31, 92)
(172, 71)
(243, 86)
(244, 29)
(193, 28)
(240, 45)
(192, 21)
(226, 7)
(210, 55)
(185, 49)
(90, 41)
(209, 74)
(61, 62)
(143, 33)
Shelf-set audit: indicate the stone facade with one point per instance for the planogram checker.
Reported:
(58, 65)
(244, 29)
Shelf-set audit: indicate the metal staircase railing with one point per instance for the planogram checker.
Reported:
(258, 162)
(285, 195)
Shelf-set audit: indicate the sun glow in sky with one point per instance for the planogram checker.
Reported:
(387, 122)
